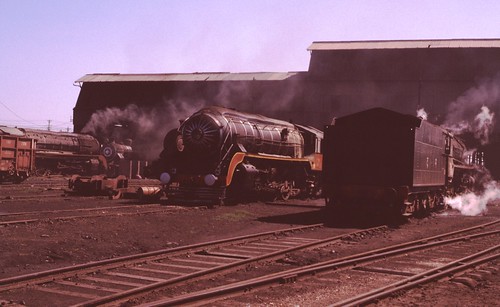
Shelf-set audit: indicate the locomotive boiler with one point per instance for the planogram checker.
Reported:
(66, 153)
(381, 161)
(219, 153)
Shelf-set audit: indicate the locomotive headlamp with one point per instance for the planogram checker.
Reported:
(210, 179)
(180, 143)
(165, 178)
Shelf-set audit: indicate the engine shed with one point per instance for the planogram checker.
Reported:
(451, 79)
(401, 75)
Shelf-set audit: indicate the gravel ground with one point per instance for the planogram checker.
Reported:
(52, 243)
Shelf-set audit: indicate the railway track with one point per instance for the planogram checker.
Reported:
(71, 214)
(407, 265)
(118, 279)
(36, 188)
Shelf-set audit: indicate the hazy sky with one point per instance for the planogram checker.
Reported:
(45, 45)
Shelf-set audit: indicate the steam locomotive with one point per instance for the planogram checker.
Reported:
(222, 154)
(59, 153)
(381, 161)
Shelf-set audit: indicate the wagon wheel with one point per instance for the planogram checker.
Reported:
(411, 205)
(12, 170)
(434, 202)
(420, 205)
(285, 192)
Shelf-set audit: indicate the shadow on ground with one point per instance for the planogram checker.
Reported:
(322, 216)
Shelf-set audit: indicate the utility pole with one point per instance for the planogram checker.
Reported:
(48, 126)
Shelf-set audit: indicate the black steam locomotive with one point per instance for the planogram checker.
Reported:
(62, 153)
(219, 153)
(386, 162)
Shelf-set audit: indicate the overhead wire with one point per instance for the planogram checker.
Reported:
(54, 125)
(15, 114)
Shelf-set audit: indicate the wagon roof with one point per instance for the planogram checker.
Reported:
(379, 115)
(11, 131)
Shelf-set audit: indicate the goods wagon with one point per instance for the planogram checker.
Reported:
(17, 155)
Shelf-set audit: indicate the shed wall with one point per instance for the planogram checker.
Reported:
(338, 83)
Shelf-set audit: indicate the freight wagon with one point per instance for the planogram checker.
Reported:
(17, 155)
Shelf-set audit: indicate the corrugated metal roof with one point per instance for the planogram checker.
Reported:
(11, 131)
(406, 44)
(218, 76)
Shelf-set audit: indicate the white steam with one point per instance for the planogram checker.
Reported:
(422, 114)
(472, 204)
(481, 126)
(474, 111)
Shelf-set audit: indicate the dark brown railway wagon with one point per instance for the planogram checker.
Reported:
(17, 157)
(382, 160)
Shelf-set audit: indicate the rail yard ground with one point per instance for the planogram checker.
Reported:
(57, 230)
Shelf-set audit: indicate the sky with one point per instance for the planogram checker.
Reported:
(47, 45)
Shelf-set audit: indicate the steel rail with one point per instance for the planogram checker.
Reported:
(415, 242)
(315, 268)
(75, 210)
(14, 198)
(73, 217)
(150, 287)
(430, 275)
(71, 269)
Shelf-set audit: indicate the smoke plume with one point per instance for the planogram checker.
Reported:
(481, 126)
(474, 111)
(145, 126)
(422, 114)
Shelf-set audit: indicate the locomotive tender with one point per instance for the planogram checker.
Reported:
(219, 153)
(383, 161)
